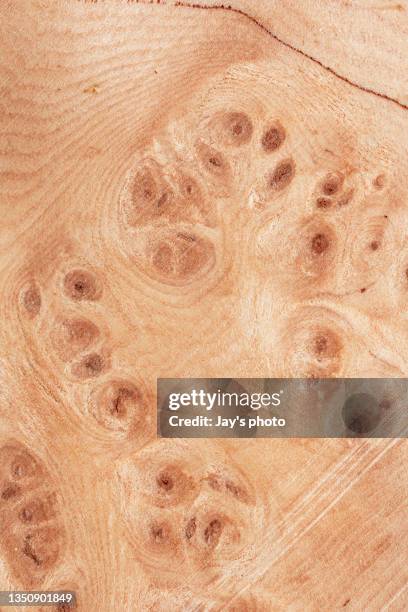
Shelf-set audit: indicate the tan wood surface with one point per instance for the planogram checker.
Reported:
(199, 191)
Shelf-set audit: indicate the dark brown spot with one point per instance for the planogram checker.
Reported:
(332, 183)
(236, 128)
(119, 406)
(160, 532)
(10, 491)
(77, 334)
(163, 259)
(93, 364)
(70, 337)
(282, 175)
(89, 367)
(374, 245)
(38, 510)
(26, 515)
(346, 603)
(32, 300)
(191, 528)
(273, 138)
(321, 344)
(81, 285)
(215, 482)
(164, 198)
(190, 189)
(324, 347)
(41, 547)
(212, 532)
(179, 257)
(119, 403)
(23, 466)
(144, 186)
(68, 607)
(65, 607)
(219, 484)
(320, 243)
(29, 551)
(213, 161)
(151, 196)
(236, 491)
(379, 181)
(363, 289)
(171, 486)
(165, 481)
(323, 202)
(188, 237)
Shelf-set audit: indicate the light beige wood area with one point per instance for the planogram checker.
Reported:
(205, 192)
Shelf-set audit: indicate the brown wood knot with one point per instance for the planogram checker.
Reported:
(178, 258)
(282, 175)
(81, 285)
(273, 137)
(232, 128)
(90, 366)
(120, 406)
(31, 300)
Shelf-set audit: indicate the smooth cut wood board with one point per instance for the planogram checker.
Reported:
(199, 191)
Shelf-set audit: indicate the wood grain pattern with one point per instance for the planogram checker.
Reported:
(197, 190)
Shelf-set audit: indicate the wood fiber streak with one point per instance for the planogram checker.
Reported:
(199, 190)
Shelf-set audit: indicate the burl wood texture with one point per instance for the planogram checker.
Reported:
(199, 191)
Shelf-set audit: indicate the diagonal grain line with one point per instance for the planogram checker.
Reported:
(333, 473)
(342, 484)
(395, 597)
(344, 477)
(345, 474)
(307, 499)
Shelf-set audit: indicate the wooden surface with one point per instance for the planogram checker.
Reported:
(190, 191)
